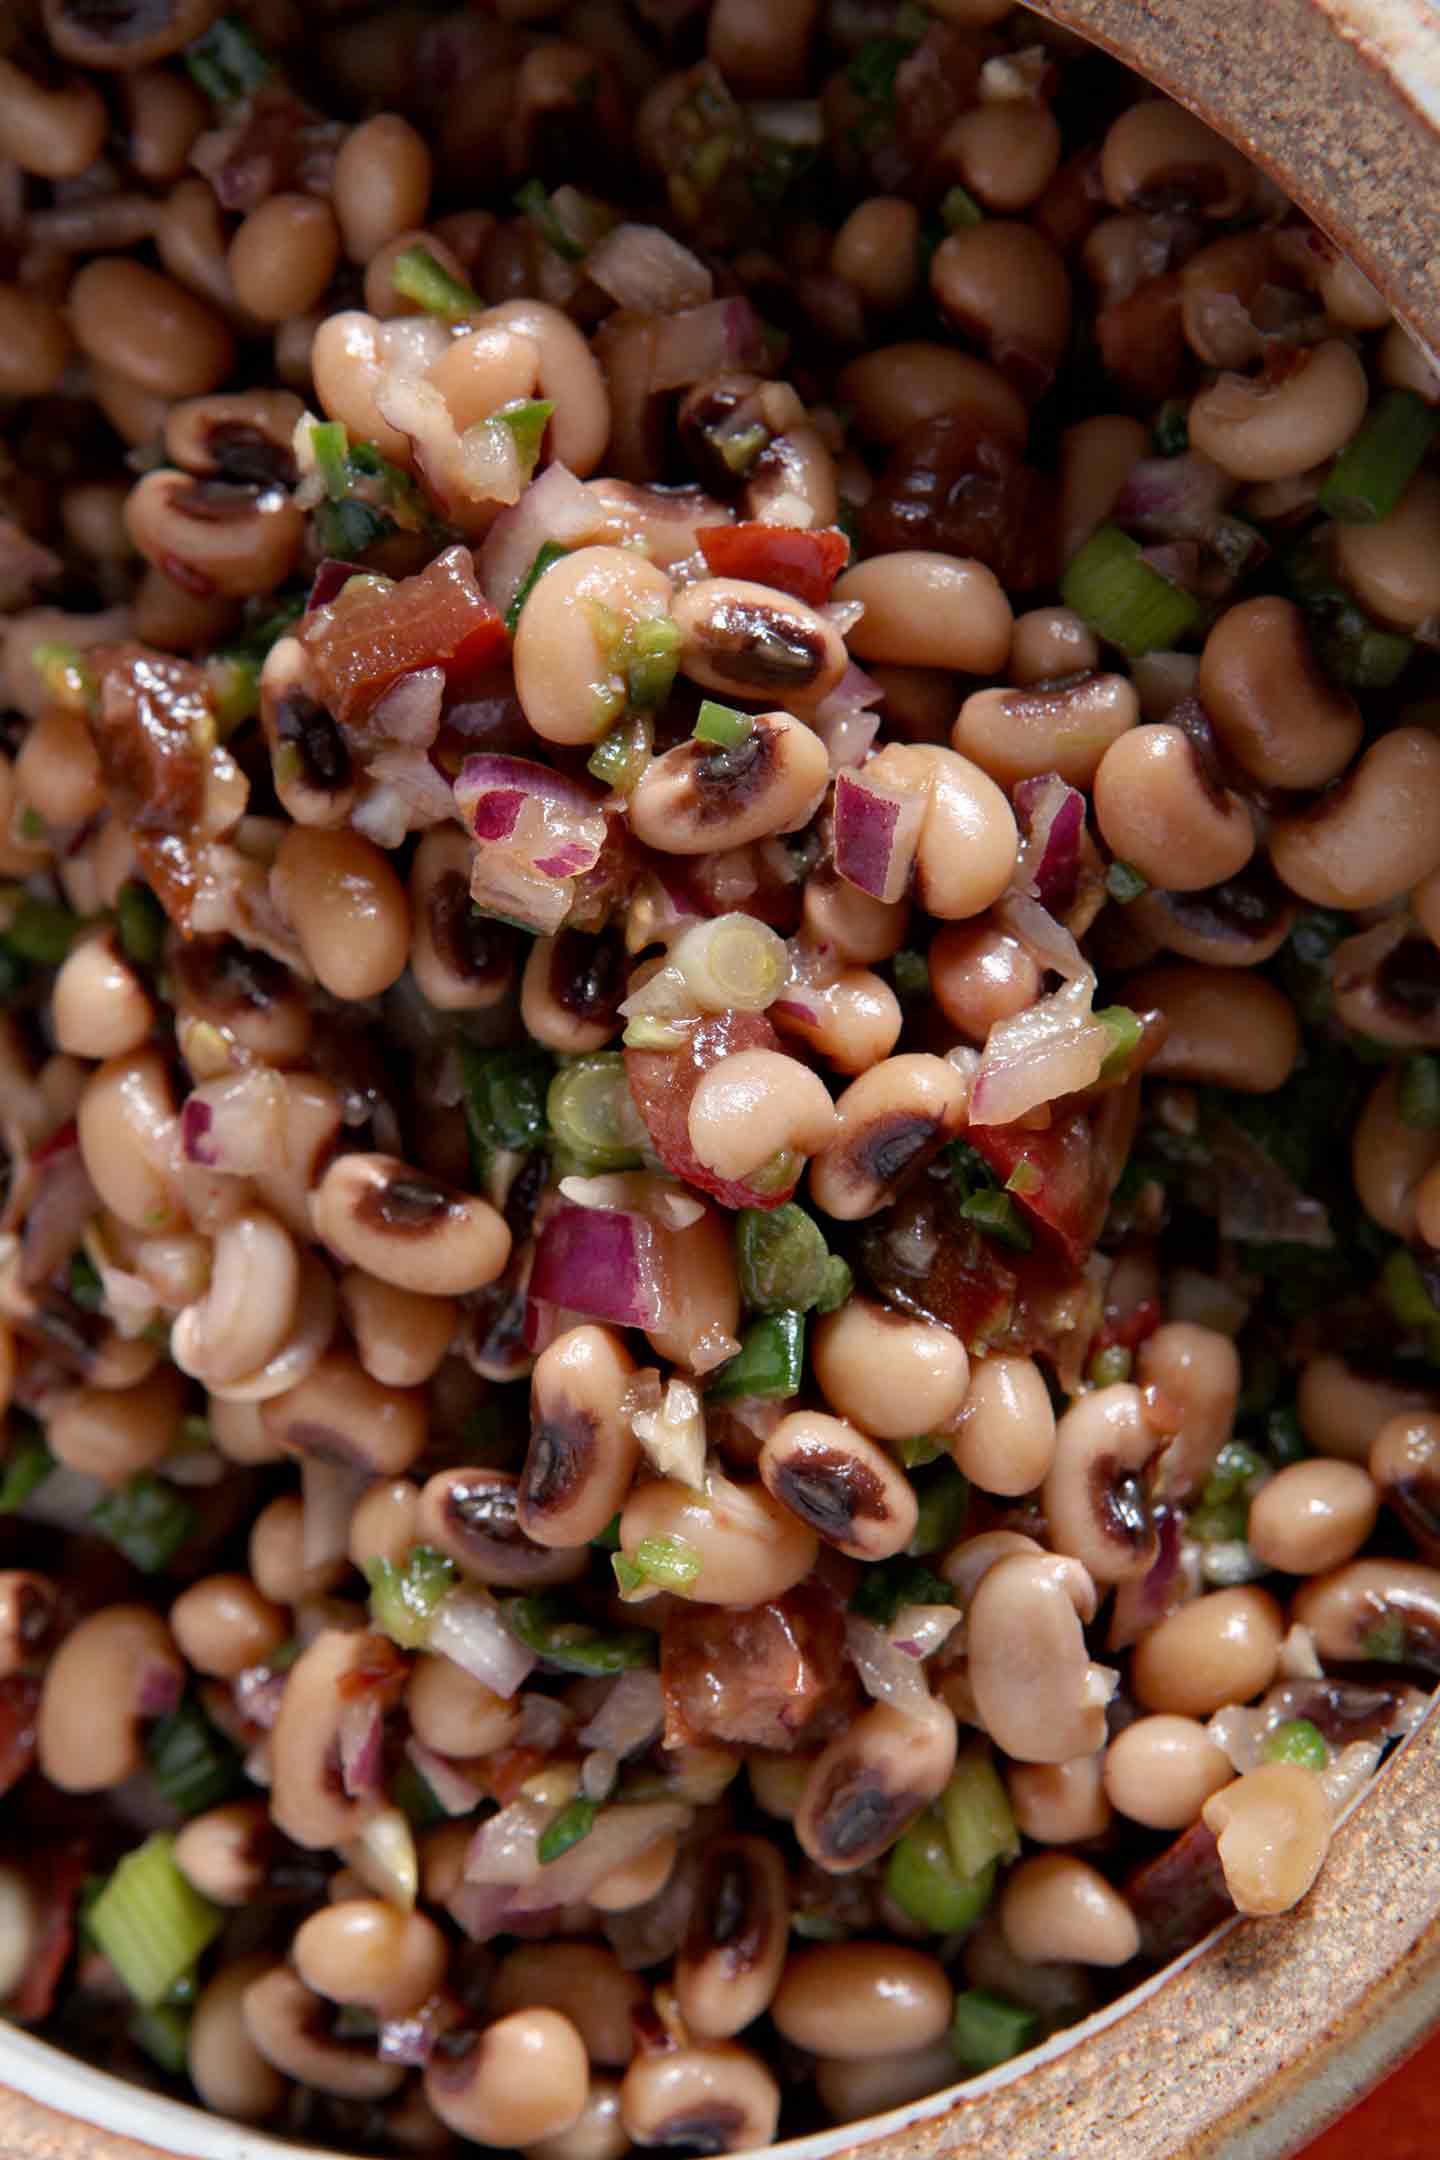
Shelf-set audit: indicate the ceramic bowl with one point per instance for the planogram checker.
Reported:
(1262, 2035)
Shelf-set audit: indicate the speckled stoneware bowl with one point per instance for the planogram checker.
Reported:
(1268, 2030)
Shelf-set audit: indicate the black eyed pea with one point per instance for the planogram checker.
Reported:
(250, 1305)
(923, 609)
(306, 1800)
(570, 642)
(636, 1881)
(582, 1453)
(571, 991)
(851, 2091)
(1157, 150)
(347, 907)
(463, 961)
(893, 1120)
(126, 1122)
(840, 1484)
(1369, 1608)
(349, 361)
(227, 1852)
(29, 1609)
(569, 376)
(401, 1336)
(729, 1966)
(289, 2026)
(1159, 810)
(338, 1414)
(99, 1006)
(1049, 642)
(1161, 1770)
(408, 1228)
(862, 1999)
(1258, 431)
(1004, 1441)
(277, 1554)
(103, 1680)
(1218, 1649)
(853, 1023)
(856, 927)
(1197, 1370)
(750, 1546)
(1095, 1496)
(1405, 1464)
(1390, 567)
(483, 370)
(700, 799)
(222, 1623)
(1312, 1516)
(979, 974)
(314, 776)
(1004, 284)
(1274, 1827)
(1055, 1906)
(226, 2068)
(113, 1433)
(1038, 1694)
(148, 330)
(750, 641)
(1391, 1160)
(230, 538)
(755, 1105)
(1373, 837)
(1342, 1407)
(1272, 706)
(864, 1790)
(1064, 727)
(585, 1982)
(524, 2078)
(245, 436)
(1060, 1803)
(456, 1714)
(894, 387)
(893, 1374)
(1097, 457)
(473, 1517)
(367, 1952)
(715, 2093)
(966, 853)
(597, 2134)
(1227, 1027)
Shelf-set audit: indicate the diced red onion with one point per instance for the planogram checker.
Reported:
(234, 1124)
(630, 1717)
(468, 1629)
(619, 1835)
(62, 1202)
(257, 1692)
(409, 711)
(1177, 498)
(537, 831)
(703, 341)
(481, 1910)
(362, 1746)
(556, 506)
(329, 581)
(328, 1494)
(845, 721)
(454, 1791)
(598, 1773)
(1046, 940)
(642, 267)
(1054, 815)
(506, 1849)
(411, 2040)
(1177, 561)
(602, 1262)
(544, 1722)
(1055, 1048)
(877, 829)
(886, 1673)
(920, 1630)
(160, 1689)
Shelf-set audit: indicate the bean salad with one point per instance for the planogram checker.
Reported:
(720, 1056)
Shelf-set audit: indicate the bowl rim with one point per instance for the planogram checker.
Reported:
(1263, 2034)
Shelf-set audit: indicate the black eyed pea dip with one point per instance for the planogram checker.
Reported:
(720, 1055)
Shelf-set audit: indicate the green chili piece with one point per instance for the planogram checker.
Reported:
(548, 1626)
(979, 1821)
(995, 1213)
(781, 1257)
(837, 1286)
(1125, 1030)
(417, 275)
(42, 931)
(770, 1361)
(621, 756)
(504, 1096)
(548, 553)
(722, 725)
(1124, 884)
(989, 2028)
(330, 447)
(404, 1598)
(672, 1563)
(922, 1878)
(1297, 1741)
(572, 1823)
(147, 1520)
(527, 420)
(890, 1585)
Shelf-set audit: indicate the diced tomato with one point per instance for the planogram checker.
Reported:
(440, 618)
(761, 1676)
(663, 1082)
(506, 1771)
(54, 1878)
(1078, 1158)
(794, 561)
(19, 1708)
(1127, 1330)
(1142, 339)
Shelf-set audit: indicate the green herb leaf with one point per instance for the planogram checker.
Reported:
(226, 62)
(26, 1466)
(147, 1520)
(193, 1765)
(890, 1585)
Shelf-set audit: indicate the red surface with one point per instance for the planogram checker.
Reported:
(1399, 2121)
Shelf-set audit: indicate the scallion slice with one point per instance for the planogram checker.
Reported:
(329, 446)
(548, 553)
(1120, 596)
(979, 1821)
(147, 1520)
(533, 202)
(621, 756)
(592, 1113)
(572, 1823)
(1297, 1741)
(527, 420)
(988, 2028)
(722, 725)
(150, 1922)
(1380, 460)
(417, 276)
(770, 1361)
(403, 1599)
(194, 1766)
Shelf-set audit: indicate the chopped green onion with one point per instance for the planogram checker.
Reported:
(527, 420)
(417, 276)
(837, 1286)
(194, 1766)
(330, 445)
(996, 1214)
(1110, 1366)
(26, 1466)
(959, 210)
(1297, 1741)
(922, 1878)
(944, 1502)
(722, 725)
(1122, 598)
(41, 931)
(147, 1520)
(769, 1363)
(920, 1449)
(1388, 1642)
(164, 2035)
(403, 1599)
(572, 1823)
(671, 1563)
(910, 973)
(1024, 1179)
(548, 1626)
(1125, 1030)
(591, 1112)
(782, 1258)
(1171, 432)
(979, 1821)
(1380, 460)
(1406, 1293)
(225, 61)
(1419, 1094)
(988, 2028)
(150, 1922)
(233, 676)
(621, 756)
(652, 657)
(1358, 653)
(731, 960)
(533, 202)
(887, 1587)
(547, 554)
(1124, 884)
(504, 1094)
